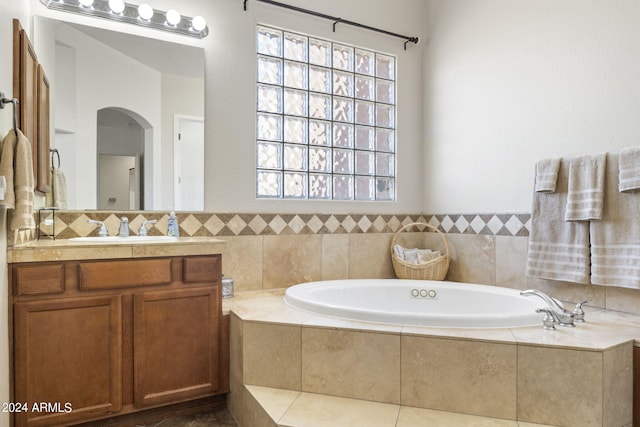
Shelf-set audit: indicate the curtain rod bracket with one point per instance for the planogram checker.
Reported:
(245, 5)
(337, 21)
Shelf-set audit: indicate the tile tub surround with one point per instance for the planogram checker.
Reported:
(569, 377)
(267, 251)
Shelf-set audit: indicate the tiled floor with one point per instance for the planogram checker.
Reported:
(215, 418)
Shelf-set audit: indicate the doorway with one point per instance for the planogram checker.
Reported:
(188, 166)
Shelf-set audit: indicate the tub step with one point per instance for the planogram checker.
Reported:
(287, 408)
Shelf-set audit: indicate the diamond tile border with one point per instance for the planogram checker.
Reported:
(74, 223)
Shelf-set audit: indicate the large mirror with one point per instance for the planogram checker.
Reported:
(128, 116)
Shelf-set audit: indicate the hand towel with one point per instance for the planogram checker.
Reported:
(6, 168)
(59, 190)
(629, 164)
(547, 175)
(558, 250)
(16, 164)
(615, 240)
(586, 186)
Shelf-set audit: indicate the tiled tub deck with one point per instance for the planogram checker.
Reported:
(568, 377)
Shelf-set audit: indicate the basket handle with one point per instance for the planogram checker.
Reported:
(444, 238)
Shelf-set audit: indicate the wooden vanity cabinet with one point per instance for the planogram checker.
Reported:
(99, 338)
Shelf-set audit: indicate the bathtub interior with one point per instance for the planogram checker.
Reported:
(417, 302)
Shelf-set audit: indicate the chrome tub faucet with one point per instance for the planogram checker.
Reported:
(555, 311)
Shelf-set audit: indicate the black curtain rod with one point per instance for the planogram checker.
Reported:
(337, 20)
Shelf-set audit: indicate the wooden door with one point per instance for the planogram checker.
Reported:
(176, 345)
(68, 357)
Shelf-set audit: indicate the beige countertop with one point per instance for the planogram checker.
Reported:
(66, 250)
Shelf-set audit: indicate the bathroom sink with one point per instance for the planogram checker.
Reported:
(125, 240)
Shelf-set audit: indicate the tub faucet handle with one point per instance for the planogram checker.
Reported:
(549, 320)
(578, 312)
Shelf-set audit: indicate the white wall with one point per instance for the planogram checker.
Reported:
(508, 82)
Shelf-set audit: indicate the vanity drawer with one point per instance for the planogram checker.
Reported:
(124, 274)
(201, 269)
(38, 279)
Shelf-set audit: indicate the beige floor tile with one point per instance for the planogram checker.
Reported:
(417, 417)
(274, 401)
(315, 410)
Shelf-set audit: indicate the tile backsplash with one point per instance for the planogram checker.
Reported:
(74, 223)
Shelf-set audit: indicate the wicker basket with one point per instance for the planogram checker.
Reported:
(436, 269)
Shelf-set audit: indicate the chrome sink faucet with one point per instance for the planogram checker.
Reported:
(102, 232)
(556, 313)
(142, 231)
(124, 231)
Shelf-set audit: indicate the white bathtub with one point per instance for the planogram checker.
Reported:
(417, 302)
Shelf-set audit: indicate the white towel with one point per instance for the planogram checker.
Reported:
(59, 190)
(586, 186)
(547, 175)
(558, 250)
(415, 256)
(629, 163)
(16, 164)
(615, 240)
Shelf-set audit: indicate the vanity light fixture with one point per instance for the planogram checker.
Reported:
(116, 6)
(145, 12)
(173, 18)
(143, 15)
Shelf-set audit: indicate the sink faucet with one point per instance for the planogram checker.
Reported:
(123, 231)
(556, 310)
(103, 232)
(142, 231)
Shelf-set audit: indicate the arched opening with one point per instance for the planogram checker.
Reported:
(124, 142)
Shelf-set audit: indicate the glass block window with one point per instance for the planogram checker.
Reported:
(325, 119)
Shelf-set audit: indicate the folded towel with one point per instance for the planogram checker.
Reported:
(415, 256)
(629, 164)
(558, 250)
(586, 186)
(615, 240)
(16, 164)
(547, 175)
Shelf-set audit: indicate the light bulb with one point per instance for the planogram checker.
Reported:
(145, 11)
(198, 23)
(86, 3)
(116, 6)
(173, 17)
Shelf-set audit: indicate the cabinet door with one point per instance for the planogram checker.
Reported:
(67, 359)
(25, 87)
(176, 345)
